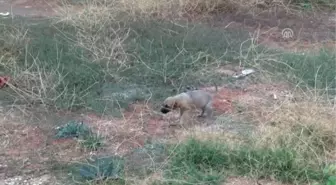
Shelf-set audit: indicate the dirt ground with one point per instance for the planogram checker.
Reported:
(309, 32)
(28, 150)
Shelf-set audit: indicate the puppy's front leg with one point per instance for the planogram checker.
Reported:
(208, 110)
(186, 117)
(182, 115)
(181, 112)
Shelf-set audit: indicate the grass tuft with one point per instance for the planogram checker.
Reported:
(73, 129)
(99, 169)
(86, 137)
(195, 157)
(315, 71)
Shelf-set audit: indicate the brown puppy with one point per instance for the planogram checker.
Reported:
(197, 99)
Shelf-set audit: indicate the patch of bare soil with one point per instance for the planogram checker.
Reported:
(248, 181)
(30, 8)
(306, 32)
(21, 180)
(29, 151)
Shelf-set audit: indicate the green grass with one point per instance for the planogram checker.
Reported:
(209, 162)
(87, 138)
(303, 69)
(315, 70)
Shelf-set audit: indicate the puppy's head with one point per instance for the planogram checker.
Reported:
(165, 109)
(168, 105)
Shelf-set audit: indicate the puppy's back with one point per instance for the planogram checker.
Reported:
(200, 98)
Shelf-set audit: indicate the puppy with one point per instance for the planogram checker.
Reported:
(196, 99)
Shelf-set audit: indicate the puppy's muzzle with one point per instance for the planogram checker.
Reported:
(165, 109)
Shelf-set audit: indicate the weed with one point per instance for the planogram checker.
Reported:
(194, 162)
(99, 168)
(92, 142)
(145, 160)
(49, 70)
(314, 71)
(85, 136)
(306, 127)
(193, 8)
(73, 129)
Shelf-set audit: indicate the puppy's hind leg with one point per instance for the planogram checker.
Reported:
(181, 112)
(206, 109)
(202, 113)
(209, 111)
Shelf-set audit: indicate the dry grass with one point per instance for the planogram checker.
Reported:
(30, 82)
(178, 8)
(139, 9)
(99, 30)
(249, 181)
(308, 127)
(13, 39)
(182, 8)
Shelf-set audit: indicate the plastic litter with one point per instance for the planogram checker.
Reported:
(244, 73)
(4, 14)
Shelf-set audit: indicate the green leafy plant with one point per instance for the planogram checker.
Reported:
(73, 129)
(86, 137)
(99, 168)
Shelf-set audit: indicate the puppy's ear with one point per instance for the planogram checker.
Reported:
(175, 105)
